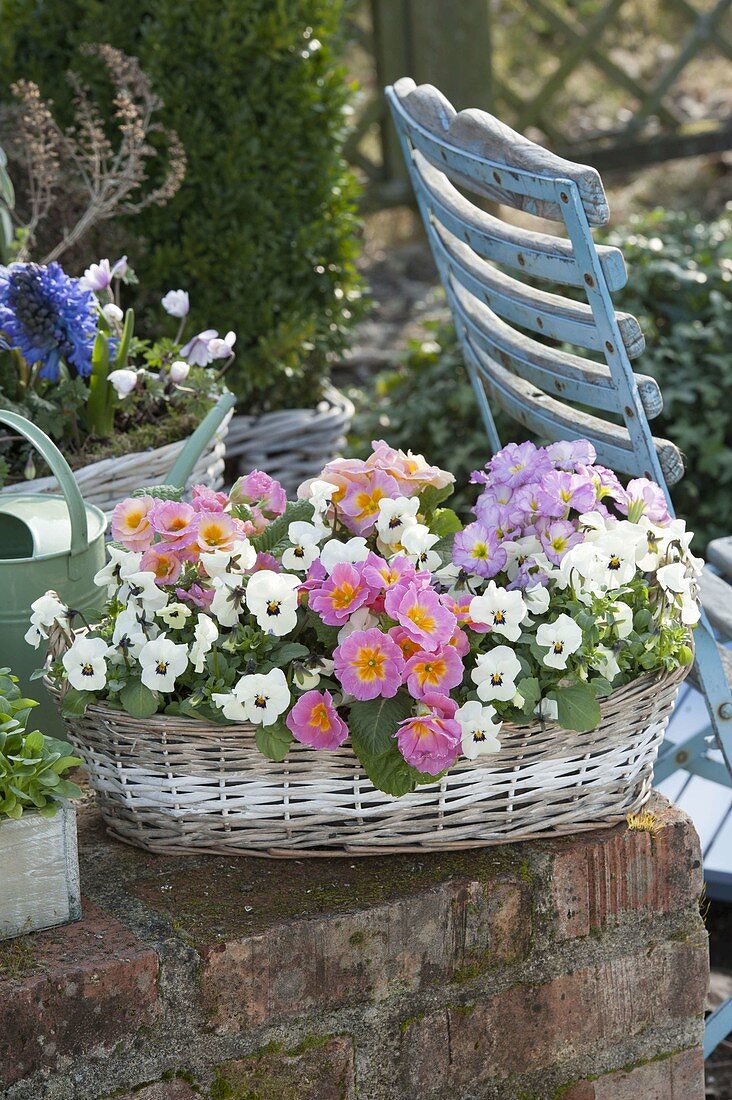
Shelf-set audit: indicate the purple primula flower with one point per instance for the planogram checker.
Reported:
(559, 537)
(476, 549)
(517, 463)
(644, 498)
(528, 499)
(48, 317)
(561, 491)
(567, 454)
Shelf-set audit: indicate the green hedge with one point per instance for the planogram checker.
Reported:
(680, 288)
(263, 231)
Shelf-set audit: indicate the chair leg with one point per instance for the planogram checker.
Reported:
(717, 1027)
(715, 688)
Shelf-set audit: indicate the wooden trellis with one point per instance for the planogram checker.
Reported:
(460, 48)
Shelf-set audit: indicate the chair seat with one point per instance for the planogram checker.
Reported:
(719, 553)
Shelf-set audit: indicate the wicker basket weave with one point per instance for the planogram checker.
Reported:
(107, 482)
(291, 444)
(177, 785)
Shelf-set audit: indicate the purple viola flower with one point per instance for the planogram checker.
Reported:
(561, 491)
(644, 498)
(476, 549)
(567, 454)
(48, 317)
(559, 537)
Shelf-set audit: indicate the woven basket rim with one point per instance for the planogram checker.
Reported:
(204, 727)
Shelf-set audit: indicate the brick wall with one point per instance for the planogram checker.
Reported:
(573, 969)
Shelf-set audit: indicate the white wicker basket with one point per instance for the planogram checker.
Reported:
(171, 784)
(110, 480)
(291, 445)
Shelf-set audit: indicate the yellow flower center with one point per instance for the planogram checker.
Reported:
(319, 718)
(342, 596)
(421, 618)
(369, 664)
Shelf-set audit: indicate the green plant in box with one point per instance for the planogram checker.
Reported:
(32, 766)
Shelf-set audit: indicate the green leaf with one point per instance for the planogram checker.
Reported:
(445, 522)
(34, 743)
(430, 497)
(160, 492)
(578, 708)
(274, 741)
(374, 723)
(390, 772)
(138, 700)
(124, 344)
(75, 702)
(286, 654)
(276, 531)
(530, 690)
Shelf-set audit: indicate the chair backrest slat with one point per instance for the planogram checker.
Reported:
(541, 311)
(496, 312)
(537, 254)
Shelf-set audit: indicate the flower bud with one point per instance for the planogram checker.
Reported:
(124, 381)
(685, 655)
(179, 371)
(112, 313)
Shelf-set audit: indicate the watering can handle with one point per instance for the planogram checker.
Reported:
(194, 448)
(61, 471)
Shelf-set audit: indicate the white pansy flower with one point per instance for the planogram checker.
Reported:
(272, 599)
(537, 599)
(361, 619)
(605, 662)
(123, 381)
(47, 610)
(335, 552)
(85, 664)
(162, 662)
(320, 493)
(228, 602)
(417, 542)
(241, 557)
(622, 618)
(307, 677)
(175, 614)
(495, 674)
(205, 634)
(395, 516)
(143, 589)
(260, 698)
(305, 539)
(673, 578)
(500, 609)
(561, 638)
(518, 553)
(121, 565)
(615, 554)
(479, 729)
(132, 630)
(34, 636)
(595, 524)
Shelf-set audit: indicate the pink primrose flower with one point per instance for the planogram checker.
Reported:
(204, 499)
(340, 595)
(369, 664)
(359, 508)
(174, 520)
(197, 595)
(215, 531)
(439, 671)
(431, 740)
(315, 721)
(420, 612)
(260, 490)
(131, 523)
(164, 562)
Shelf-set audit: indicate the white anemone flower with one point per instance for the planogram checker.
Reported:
(228, 602)
(495, 674)
(121, 565)
(259, 699)
(179, 371)
(395, 517)
(175, 615)
(205, 634)
(162, 662)
(479, 729)
(335, 552)
(305, 539)
(241, 557)
(417, 542)
(132, 631)
(272, 599)
(176, 303)
(123, 381)
(561, 638)
(141, 587)
(85, 663)
(500, 609)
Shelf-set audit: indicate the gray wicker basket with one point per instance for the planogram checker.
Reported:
(171, 784)
(291, 445)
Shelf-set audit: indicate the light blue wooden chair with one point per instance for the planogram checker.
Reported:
(449, 154)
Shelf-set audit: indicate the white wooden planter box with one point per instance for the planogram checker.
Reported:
(39, 872)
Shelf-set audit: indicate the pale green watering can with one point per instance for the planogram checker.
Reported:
(57, 542)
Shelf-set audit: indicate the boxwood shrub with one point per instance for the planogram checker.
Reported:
(680, 288)
(263, 231)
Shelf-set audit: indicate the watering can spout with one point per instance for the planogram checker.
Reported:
(195, 446)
